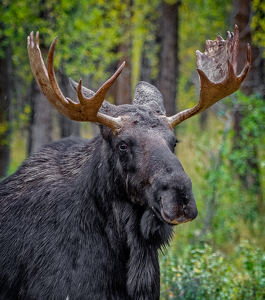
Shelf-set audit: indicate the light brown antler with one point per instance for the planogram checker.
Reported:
(217, 68)
(87, 108)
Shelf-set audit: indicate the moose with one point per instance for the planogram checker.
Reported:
(85, 219)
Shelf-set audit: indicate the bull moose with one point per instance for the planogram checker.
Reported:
(84, 219)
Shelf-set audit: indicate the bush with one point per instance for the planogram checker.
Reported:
(202, 273)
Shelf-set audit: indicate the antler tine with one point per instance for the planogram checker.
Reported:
(87, 109)
(39, 70)
(51, 74)
(217, 68)
(99, 96)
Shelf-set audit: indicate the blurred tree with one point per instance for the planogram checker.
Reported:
(146, 63)
(242, 16)
(5, 102)
(258, 24)
(145, 45)
(40, 127)
(67, 126)
(123, 84)
(252, 85)
(169, 64)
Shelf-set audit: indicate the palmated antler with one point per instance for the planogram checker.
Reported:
(88, 108)
(217, 68)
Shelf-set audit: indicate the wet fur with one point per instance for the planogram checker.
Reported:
(68, 230)
(72, 224)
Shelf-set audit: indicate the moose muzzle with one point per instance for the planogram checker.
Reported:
(176, 208)
(174, 201)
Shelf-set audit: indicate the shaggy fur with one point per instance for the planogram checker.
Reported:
(80, 219)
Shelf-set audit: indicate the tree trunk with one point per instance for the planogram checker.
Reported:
(203, 118)
(145, 73)
(169, 64)
(5, 103)
(122, 87)
(67, 126)
(41, 120)
(40, 131)
(123, 84)
(254, 83)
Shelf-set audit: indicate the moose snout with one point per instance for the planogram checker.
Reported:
(176, 201)
(175, 210)
(171, 195)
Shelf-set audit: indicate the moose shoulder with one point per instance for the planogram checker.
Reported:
(84, 219)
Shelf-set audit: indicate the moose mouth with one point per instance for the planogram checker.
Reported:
(172, 207)
(174, 214)
(163, 216)
(175, 221)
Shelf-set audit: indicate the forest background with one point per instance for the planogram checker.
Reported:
(220, 255)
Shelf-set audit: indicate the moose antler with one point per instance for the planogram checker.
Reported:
(217, 68)
(88, 108)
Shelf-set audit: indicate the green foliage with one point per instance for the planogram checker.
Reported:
(18, 150)
(258, 23)
(228, 214)
(229, 211)
(200, 20)
(252, 134)
(88, 32)
(202, 273)
(4, 138)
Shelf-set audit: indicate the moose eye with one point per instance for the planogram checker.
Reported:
(123, 147)
(175, 143)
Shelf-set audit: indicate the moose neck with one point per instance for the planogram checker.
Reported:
(103, 182)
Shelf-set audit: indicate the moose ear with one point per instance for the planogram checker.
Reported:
(149, 95)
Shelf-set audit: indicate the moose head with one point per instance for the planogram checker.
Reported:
(140, 135)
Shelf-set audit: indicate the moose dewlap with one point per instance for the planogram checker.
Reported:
(84, 219)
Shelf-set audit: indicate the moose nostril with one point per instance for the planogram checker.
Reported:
(164, 187)
(185, 200)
